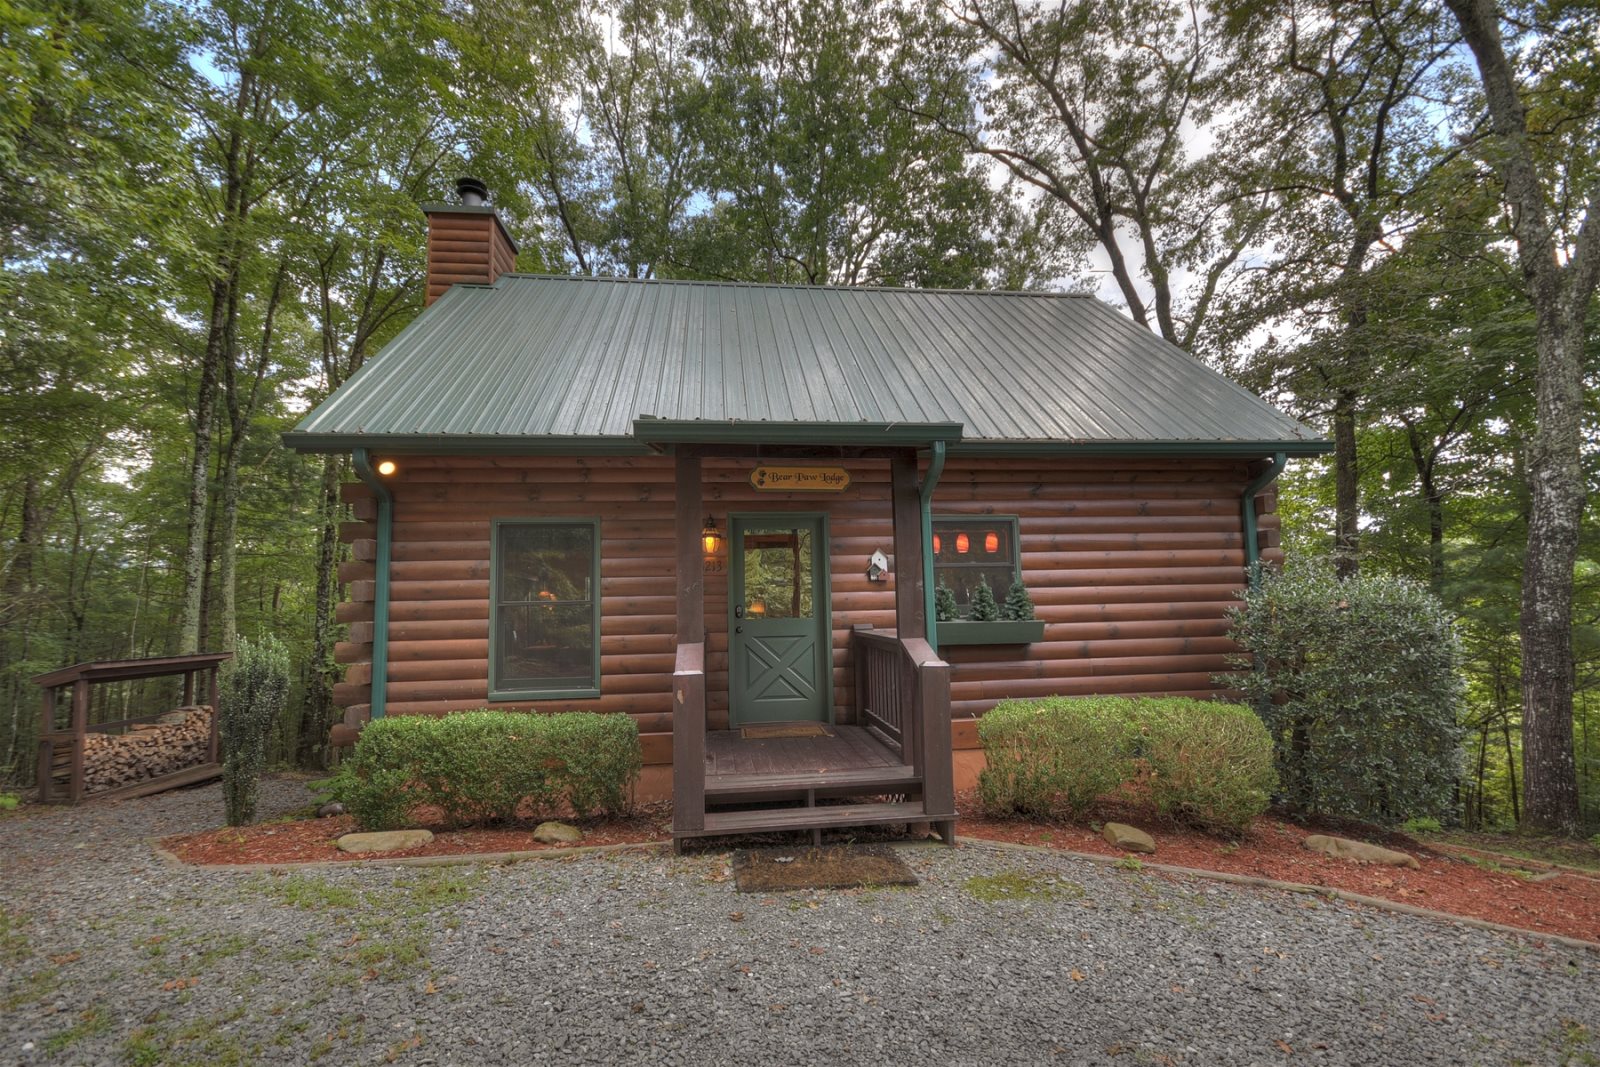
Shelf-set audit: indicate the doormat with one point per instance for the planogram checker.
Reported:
(775, 870)
(783, 729)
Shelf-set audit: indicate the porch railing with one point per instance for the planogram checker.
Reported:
(903, 694)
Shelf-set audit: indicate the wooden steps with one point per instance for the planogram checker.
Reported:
(824, 818)
(856, 781)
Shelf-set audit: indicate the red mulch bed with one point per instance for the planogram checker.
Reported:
(312, 840)
(1568, 904)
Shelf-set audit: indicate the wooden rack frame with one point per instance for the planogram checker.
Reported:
(201, 668)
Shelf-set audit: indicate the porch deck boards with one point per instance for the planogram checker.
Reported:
(847, 749)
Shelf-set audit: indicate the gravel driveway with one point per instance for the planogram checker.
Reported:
(109, 956)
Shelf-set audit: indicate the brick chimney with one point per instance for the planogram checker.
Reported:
(467, 242)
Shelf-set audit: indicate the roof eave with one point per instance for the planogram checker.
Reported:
(1252, 449)
(464, 444)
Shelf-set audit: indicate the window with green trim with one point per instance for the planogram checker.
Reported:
(969, 550)
(544, 626)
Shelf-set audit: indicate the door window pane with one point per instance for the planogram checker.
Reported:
(777, 574)
(545, 582)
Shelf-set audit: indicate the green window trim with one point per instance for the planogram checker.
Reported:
(499, 692)
(1007, 526)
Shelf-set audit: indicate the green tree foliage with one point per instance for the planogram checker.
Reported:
(945, 607)
(255, 690)
(1359, 683)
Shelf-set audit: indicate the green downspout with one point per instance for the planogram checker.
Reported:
(1247, 506)
(930, 481)
(380, 590)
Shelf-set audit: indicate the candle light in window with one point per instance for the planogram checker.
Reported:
(963, 543)
(991, 542)
(938, 545)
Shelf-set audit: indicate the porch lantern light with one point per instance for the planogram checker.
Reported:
(963, 543)
(710, 539)
(758, 607)
(991, 542)
(387, 467)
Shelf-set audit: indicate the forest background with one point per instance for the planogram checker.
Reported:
(1380, 214)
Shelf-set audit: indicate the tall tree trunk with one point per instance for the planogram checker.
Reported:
(1560, 286)
(319, 707)
(1549, 771)
(192, 601)
(1347, 508)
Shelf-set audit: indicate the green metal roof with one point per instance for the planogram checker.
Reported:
(547, 363)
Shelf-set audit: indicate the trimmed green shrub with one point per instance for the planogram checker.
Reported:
(1019, 605)
(1053, 756)
(1209, 763)
(1206, 763)
(1359, 684)
(254, 692)
(482, 766)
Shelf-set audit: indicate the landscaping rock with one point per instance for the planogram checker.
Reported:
(1129, 838)
(557, 833)
(1345, 849)
(384, 841)
(330, 809)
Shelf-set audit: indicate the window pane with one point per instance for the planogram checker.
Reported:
(777, 574)
(544, 607)
(540, 562)
(972, 551)
(546, 646)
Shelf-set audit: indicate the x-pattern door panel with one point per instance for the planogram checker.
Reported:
(778, 625)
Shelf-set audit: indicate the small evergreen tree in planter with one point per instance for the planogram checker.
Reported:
(944, 604)
(983, 607)
(1019, 605)
(255, 689)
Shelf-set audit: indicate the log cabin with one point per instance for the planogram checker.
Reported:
(725, 509)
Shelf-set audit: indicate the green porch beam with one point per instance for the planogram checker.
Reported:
(930, 482)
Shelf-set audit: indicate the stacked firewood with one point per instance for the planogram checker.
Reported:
(177, 740)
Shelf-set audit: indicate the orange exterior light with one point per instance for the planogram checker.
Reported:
(938, 545)
(991, 542)
(963, 543)
(710, 539)
(387, 467)
(758, 607)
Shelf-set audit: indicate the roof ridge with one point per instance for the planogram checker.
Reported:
(724, 284)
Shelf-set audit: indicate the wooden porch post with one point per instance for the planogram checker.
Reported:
(689, 679)
(909, 602)
(926, 731)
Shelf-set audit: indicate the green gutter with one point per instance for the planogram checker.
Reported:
(1247, 506)
(380, 592)
(930, 482)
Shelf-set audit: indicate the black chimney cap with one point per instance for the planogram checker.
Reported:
(472, 192)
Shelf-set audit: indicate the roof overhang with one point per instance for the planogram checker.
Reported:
(1252, 449)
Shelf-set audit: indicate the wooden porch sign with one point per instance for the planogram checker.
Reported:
(800, 479)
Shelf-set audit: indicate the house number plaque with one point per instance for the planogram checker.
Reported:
(800, 479)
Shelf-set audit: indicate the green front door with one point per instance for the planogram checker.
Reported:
(779, 647)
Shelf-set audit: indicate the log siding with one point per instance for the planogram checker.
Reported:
(1132, 565)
